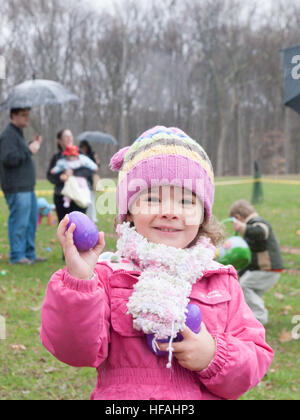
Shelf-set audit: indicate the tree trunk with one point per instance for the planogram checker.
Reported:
(240, 142)
(287, 139)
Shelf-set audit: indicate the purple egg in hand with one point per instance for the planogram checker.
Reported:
(193, 321)
(86, 234)
(149, 338)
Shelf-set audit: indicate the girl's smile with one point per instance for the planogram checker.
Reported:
(167, 214)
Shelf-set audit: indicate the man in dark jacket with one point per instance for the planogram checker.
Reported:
(266, 260)
(17, 174)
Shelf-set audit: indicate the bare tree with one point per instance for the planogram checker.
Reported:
(201, 65)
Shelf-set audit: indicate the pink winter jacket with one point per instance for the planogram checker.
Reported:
(84, 323)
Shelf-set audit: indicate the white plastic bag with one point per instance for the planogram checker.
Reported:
(77, 189)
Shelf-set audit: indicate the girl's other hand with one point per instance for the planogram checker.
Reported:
(79, 264)
(195, 351)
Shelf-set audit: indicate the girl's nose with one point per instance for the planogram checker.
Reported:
(169, 216)
(170, 210)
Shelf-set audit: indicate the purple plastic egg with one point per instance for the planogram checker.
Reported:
(193, 321)
(86, 234)
(149, 338)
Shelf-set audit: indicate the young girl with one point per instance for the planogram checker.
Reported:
(98, 312)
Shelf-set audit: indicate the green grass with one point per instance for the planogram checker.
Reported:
(28, 371)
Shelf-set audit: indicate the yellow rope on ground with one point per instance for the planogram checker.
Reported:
(40, 193)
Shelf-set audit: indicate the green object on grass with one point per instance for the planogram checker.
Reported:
(257, 191)
(234, 250)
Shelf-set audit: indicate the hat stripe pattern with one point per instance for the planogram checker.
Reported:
(162, 143)
(158, 135)
(191, 145)
(163, 150)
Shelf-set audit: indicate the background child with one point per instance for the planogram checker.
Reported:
(86, 148)
(45, 209)
(96, 313)
(266, 261)
(73, 160)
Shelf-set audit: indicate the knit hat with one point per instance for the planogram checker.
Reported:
(71, 150)
(163, 156)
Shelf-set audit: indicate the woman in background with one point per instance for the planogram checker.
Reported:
(86, 148)
(64, 138)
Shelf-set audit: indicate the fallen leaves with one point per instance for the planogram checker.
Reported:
(292, 271)
(294, 292)
(18, 347)
(50, 369)
(291, 250)
(36, 308)
(285, 310)
(285, 336)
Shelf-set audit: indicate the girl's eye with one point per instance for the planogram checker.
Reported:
(187, 202)
(153, 199)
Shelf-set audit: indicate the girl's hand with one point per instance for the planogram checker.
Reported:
(195, 351)
(79, 264)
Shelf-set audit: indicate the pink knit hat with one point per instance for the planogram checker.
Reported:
(163, 156)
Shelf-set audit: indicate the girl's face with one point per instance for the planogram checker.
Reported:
(167, 215)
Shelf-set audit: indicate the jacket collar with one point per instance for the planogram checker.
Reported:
(15, 127)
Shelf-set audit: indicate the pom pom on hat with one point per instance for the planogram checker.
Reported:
(117, 160)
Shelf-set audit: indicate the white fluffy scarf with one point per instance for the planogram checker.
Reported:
(160, 297)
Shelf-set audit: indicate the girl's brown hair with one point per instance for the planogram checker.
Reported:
(212, 229)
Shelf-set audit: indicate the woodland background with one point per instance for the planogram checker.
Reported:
(210, 67)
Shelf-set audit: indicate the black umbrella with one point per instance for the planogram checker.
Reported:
(291, 72)
(37, 92)
(97, 137)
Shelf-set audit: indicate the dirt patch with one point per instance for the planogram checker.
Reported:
(290, 250)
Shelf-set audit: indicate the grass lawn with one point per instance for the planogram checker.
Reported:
(28, 371)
